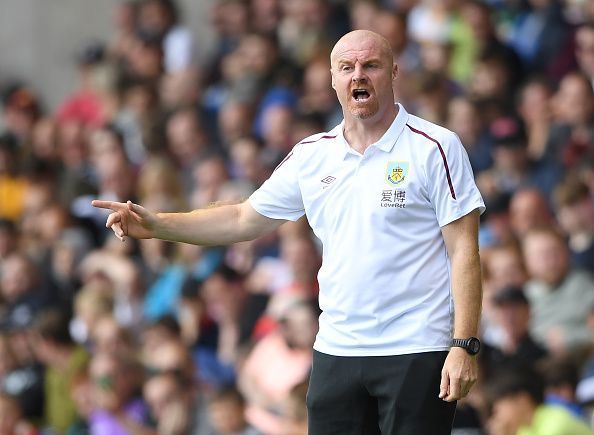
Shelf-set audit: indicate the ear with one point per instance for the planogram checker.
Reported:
(394, 72)
(332, 77)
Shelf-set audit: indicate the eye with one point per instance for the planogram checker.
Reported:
(346, 68)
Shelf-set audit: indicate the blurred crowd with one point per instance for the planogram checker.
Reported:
(150, 337)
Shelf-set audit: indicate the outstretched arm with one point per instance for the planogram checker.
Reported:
(461, 239)
(210, 226)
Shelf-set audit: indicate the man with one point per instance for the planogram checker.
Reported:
(63, 360)
(517, 399)
(390, 196)
(561, 298)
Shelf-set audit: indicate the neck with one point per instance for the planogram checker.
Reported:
(361, 133)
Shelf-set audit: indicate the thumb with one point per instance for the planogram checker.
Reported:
(138, 209)
(443, 386)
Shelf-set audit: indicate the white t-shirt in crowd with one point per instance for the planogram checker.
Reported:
(385, 275)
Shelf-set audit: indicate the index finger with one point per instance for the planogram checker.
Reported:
(110, 205)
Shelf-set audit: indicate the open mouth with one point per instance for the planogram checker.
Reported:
(360, 94)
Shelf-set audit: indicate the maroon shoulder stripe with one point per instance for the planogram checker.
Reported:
(327, 136)
(283, 161)
(443, 157)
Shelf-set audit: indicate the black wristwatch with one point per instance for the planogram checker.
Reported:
(472, 345)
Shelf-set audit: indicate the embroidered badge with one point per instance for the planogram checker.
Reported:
(396, 173)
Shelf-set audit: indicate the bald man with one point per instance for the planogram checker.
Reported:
(393, 200)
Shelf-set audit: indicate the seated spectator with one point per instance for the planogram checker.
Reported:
(20, 290)
(560, 298)
(116, 380)
(517, 396)
(534, 108)
(63, 359)
(226, 410)
(560, 380)
(161, 18)
(575, 213)
(584, 50)
(174, 407)
(108, 336)
(81, 392)
(23, 382)
(463, 118)
(172, 357)
(571, 138)
(92, 302)
(201, 334)
(512, 313)
(528, 209)
(88, 104)
(277, 363)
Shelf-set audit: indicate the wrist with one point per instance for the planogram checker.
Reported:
(470, 345)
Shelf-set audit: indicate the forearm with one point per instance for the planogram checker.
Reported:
(219, 225)
(467, 292)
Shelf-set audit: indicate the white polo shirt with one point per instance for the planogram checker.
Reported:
(385, 275)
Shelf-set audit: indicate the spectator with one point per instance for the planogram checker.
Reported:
(116, 380)
(186, 141)
(89, 104)
(277, 363)
(512, 312)
(463, 118)
(560, 298)
(21, 292)
(23, 382)
(572, 134)
(575, 214)
(63, 360)
(161, 18)
(585, 50)
(534, 108)
(226, 411)
(81, 392)
(172, 406)
(528, 210)
(21, 111)
(560, 380)
(517, 397)
(111, 338)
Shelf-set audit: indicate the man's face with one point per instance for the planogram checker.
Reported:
(585, 49)
(362, 75)
(546, 257)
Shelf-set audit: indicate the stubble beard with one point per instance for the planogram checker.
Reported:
(363, 112)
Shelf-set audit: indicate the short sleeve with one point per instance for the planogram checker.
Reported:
(280, 196)
(452, 189)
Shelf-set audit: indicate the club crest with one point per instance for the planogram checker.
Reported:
(396, 173)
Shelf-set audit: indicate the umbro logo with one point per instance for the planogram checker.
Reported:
(328, 180)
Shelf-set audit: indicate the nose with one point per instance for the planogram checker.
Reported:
(359, 74)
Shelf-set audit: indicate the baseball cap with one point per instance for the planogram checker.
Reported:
(510, 295)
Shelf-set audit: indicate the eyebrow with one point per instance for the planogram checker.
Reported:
(372, 60)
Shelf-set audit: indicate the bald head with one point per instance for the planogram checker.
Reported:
(363, 74)
(358, 40)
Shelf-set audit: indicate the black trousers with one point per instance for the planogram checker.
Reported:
(387, 395)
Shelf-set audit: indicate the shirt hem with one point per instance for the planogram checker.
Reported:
(377, 352)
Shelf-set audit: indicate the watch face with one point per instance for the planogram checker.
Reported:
(474, 345)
